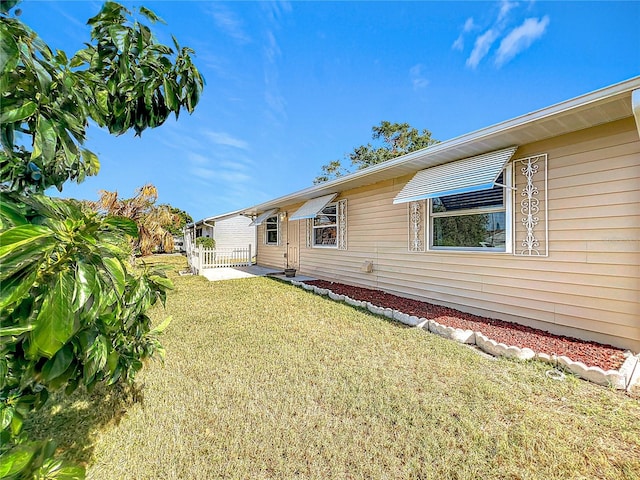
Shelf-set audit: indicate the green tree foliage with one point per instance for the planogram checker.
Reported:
(123, 80)
(72, 309)
(396, 138)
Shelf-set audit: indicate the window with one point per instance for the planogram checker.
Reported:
(474, 220)
(271, 226)
(325, 227)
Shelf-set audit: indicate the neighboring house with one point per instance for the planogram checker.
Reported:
(535, 220)
(231, 230)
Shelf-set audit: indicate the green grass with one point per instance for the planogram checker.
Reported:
(265, 380)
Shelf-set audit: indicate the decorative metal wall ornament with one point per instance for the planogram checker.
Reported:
(416, 227)
(342, 224)
(530, 206)
(309, 232)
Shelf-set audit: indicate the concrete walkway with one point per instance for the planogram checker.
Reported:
(230, 273)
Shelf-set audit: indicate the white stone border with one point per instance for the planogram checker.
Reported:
(623, 379)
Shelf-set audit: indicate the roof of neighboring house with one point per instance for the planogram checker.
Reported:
(216, 218)
(601, 106)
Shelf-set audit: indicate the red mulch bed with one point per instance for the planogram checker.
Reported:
(591, 354)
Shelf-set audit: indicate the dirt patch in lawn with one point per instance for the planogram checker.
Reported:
(591, 354)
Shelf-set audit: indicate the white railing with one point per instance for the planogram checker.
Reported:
(201, 258)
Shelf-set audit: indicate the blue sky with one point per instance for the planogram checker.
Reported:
(294, 85)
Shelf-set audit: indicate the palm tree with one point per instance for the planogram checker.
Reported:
(151, 219)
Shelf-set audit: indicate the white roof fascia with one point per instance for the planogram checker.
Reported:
(635, 106)
(466, 175)
(262, 217)
(479, 136)
(311, 208)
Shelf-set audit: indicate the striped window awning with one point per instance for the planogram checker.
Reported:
(262, 217)
(461, 176)
(312, 207)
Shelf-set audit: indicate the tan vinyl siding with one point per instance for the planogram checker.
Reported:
(271, 255)
(588, 285)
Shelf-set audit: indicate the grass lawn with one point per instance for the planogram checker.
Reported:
(266, 380)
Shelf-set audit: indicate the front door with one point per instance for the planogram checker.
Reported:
(293, 243)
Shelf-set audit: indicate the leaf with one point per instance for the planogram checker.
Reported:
(67, 472)
(19, 113)
(91, 161)
(123, 224)
(86, 284)
(9, 54)
(16, 424)
(16, 460)
(45, 140)
(6, 414)
(10, 213)
(116, 273)
(102, 100)
(160, 328)
(14, 289)
(151, 16)
(57, 365)
(54, 325)
(164, 281)
(10, 331)
(23, 246)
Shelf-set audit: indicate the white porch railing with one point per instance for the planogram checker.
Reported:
(201, 258)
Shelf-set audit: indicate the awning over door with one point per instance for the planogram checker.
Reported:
(312, 207)
(262, 217)
(461, 176)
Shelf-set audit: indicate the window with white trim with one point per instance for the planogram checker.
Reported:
(479, 220)
(325, 227)
(272, 231)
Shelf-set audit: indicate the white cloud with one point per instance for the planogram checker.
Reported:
(521, 38)
(512, 43)
(481, 47)
(468, 26)
(505, 7)
(203, 173)
(229, 23)
(222, 138)
(418, 77)
(197, 159)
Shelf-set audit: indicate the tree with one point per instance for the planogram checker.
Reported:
(397, 139)
(72, 311)
(183, 219)
(153, 221)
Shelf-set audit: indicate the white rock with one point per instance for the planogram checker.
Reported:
(464, 336)
(375, 309)
(352, 302)
(335, 296)
(545, 357)
(308, 287)
(388, 312)
(423, 323)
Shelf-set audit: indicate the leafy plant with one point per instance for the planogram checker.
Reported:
(205, 242)
(72, 310)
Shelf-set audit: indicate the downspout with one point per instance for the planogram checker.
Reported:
(635, 106)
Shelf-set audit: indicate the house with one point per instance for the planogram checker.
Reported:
(230, 230)
(535, 220)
